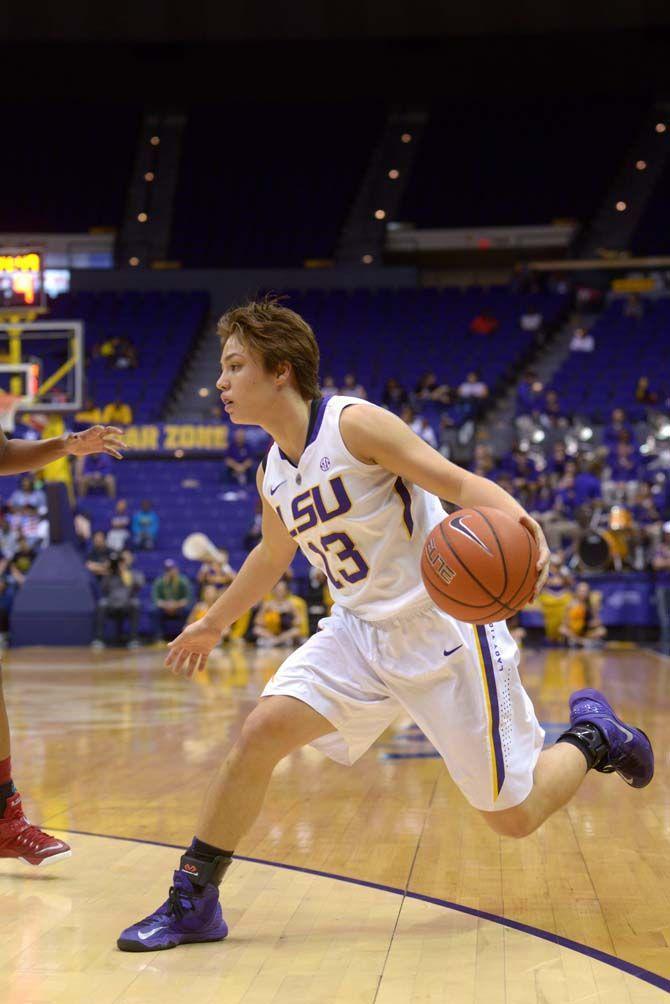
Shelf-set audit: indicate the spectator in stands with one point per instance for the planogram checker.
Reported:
(582, 341)
(117, 413)
(622, 474)
(482, 460)
(660, 562)
(216, 573)
(281, 620)
(208, 597)
(394, 395)
(352, 388)
(484, 324)
(90, 414)
(172, 596)
(28, 494)
(33, 527)
(587, 483)
(119, 526)
(318, 598)
(128, 564)
(556, 596)
(531, 320)
(144, 526)
(118, 601)
(95, 472)
(646, 514)
(473, 387)
(619, 427)
(530, 393)
(581, 621)
(644, 393)
(448, 434)
(9, 539)
(551, 408)
(22, 562)
(125, 355)
(557, 461)
(97, 559)
(418, 424)
(429, 389)
(329, 387)
(633, 307)
(238, 460)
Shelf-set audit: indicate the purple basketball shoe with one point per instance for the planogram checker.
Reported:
(628, 751)
(185, 917)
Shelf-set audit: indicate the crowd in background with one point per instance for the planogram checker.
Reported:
(601, 494)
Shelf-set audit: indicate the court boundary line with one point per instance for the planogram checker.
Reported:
(646, 975)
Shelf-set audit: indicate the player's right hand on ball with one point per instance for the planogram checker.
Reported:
(189, 651)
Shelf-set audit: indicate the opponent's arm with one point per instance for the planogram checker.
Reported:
(376, 436)
(261, 570)
(18, 455)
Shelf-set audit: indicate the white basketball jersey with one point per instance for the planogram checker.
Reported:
(363, 526)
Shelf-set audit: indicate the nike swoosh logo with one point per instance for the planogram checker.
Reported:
(452, 650)
(143, 937)
(626, 732)
(51, 847)
(458, 523)
(273, 490)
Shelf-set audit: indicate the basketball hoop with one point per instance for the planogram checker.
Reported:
(9, 403)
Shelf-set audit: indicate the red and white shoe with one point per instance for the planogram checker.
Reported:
(19, 839)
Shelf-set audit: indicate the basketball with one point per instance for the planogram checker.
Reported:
(479, 565)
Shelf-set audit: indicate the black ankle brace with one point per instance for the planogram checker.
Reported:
(589, 740)
(202, 873)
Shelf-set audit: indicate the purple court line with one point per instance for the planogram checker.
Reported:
(555, 939)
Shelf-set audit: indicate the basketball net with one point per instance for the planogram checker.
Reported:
(9, 404)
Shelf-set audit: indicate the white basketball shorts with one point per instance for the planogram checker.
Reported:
(458, 682)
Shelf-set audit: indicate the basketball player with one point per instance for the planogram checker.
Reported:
(358, 492)
(18, 838)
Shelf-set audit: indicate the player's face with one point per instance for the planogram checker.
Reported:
(247, 390)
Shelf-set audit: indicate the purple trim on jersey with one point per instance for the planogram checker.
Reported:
(316, 428)
(317, 411)
(495, 711)
(404, 494)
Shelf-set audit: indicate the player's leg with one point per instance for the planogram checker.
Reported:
(558, 775)
(324, 693)
(476, 712)
(18, 838)
(277, 726)
(596, 740)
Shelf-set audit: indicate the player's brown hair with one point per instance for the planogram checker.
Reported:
(277, 335)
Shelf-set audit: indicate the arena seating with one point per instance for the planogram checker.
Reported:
(80, 178)
(263, 186)
(402, 333)
(161, 326)
(591, 384)
(522, 162)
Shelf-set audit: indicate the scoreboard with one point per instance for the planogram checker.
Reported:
(21, 280)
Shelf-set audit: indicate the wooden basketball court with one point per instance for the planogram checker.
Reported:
(375, 883)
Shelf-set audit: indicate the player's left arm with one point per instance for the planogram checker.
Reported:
(375, 436)
(20, 455)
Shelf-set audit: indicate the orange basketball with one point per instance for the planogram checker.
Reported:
(479, 565)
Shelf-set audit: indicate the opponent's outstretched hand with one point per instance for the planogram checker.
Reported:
(544, 554)
(189, 651)
(97, 439)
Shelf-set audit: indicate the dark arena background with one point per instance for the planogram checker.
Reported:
(470, 205)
